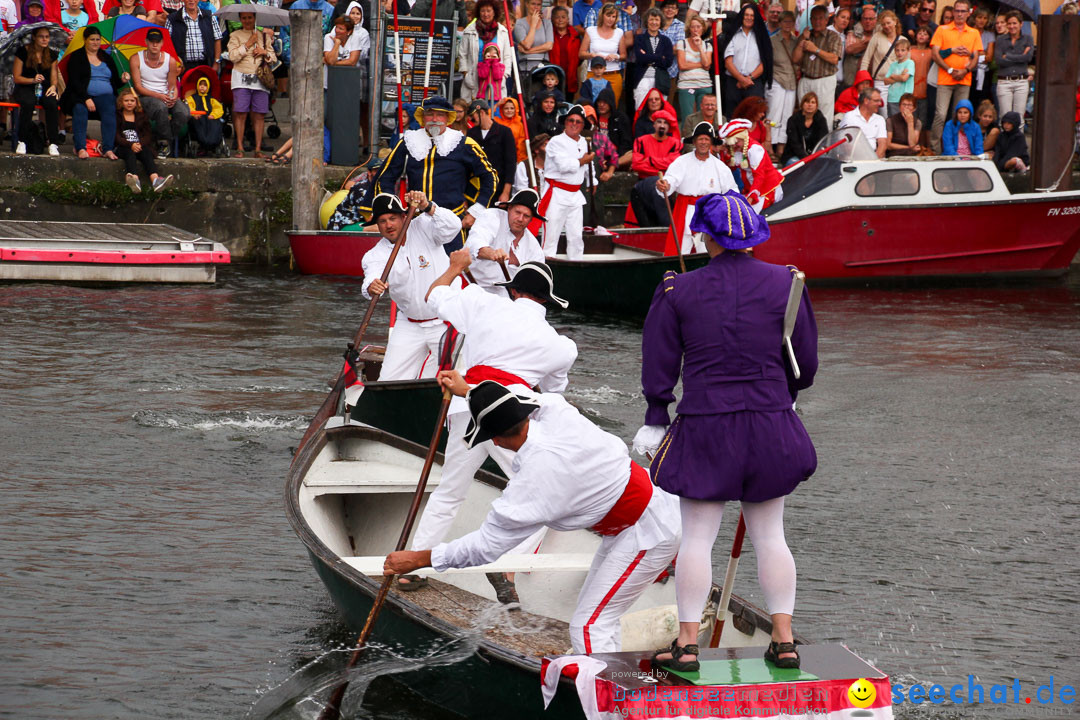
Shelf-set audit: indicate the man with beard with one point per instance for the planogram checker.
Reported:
(440, 162)
(652, 156)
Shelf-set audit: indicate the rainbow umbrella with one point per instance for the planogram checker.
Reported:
(122, 36)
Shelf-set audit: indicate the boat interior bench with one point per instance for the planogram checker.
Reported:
(369, 476)
(372, 565)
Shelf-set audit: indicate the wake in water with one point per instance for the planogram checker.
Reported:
(304, 694)
(194, 420)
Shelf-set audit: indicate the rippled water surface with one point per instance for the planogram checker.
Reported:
(148, 569)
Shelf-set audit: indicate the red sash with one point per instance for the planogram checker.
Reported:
(479, 373)
(671, 247)
(535, 225)
(630, 506)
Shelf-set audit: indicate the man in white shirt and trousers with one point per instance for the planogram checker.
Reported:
(691, 177)
(507, 340)
(568, 475)
(501, 234)
(413, 348)
(566, 160)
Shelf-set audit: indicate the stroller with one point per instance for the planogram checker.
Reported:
(205, 134)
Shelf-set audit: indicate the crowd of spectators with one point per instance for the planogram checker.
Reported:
(914, 80)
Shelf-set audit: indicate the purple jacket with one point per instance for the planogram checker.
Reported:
(723, 325)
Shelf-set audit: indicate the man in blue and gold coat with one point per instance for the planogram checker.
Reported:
(442, 163)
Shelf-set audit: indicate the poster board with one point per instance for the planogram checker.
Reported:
(413, 33)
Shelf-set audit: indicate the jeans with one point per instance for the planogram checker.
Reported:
(106, 109)
(167, 121)
(1012, 96)
(947, 97)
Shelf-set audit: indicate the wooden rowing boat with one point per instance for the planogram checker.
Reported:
(346, 494)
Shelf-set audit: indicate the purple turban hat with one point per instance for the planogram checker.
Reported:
(729, 220)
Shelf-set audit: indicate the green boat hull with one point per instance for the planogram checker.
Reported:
(618, 287)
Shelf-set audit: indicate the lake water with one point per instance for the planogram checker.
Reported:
(148, 569)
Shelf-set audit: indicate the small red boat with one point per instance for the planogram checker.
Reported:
(331, 252)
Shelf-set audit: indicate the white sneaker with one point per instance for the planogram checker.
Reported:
(54, 151)
(133, 183)
(20, 149)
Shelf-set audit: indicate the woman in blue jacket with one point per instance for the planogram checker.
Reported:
(962, 135)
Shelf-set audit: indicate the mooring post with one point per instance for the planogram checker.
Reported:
(306, 113)
(1055, 100)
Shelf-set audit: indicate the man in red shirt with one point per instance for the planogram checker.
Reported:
(955, 49)
(652, 156)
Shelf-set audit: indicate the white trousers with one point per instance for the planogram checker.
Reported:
(781, 105)
(1012, 96)
(825, 89)
(616, 579)
(765, 526)
(565, 213)
(643, 87)
(412, 351)
(458, 470)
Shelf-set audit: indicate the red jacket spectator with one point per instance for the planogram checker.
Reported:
(849, 99)
(654, 153)
(565, 48)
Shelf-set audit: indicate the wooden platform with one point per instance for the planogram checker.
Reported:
(106, 252)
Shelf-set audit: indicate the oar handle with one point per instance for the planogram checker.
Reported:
(675, 232)
(729, 582)
(505, 272)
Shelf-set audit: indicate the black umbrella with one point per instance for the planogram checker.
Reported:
(1020, 6)
(19, 37)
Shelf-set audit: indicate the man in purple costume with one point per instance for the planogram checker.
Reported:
(736, 435)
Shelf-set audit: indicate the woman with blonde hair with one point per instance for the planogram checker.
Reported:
(605, 40)
(881, 52)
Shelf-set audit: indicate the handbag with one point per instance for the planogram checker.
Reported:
(265, 74)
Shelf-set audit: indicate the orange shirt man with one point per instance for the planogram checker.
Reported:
(963, 45)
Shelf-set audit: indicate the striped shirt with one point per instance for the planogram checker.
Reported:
(193, 45)
(813, 65)
(626, 21)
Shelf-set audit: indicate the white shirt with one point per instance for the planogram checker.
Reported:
(521, 178)
(605, 46)
(511, 335)
(872, 129)
(561, 163)
(743, 47)
(355, 42)
(689, 176)
(418, 264)
(567, 476)
(492, 230)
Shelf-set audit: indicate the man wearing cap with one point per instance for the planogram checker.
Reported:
(736, 436)
(153, 74)
(653, 154)
(568, 475)
(497, 142)
(568, 156)
(691, 177)
(442, 163)
(507, 340)
(757, 177)
(419, 262)
(501, 235)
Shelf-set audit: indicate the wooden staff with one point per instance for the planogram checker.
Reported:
(333, 706)
(675, 232)
(729, 583)
(506, 273)
(329, 406)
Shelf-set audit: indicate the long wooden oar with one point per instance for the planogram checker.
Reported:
(729, 583)
(677, 233)
(506, 273)
(333, 706)
(329, 406)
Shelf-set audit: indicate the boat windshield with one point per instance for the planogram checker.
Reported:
(855, 149)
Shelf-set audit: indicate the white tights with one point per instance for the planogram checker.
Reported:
(764, 525)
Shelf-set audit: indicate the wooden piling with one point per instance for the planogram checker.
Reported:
(306, 113)
(1055, 100)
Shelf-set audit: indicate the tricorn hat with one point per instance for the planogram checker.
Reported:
(385, 203)
(578, 110)
(494, 410)
(703, 128)
(534, 278)
(729, 220)
(435, 102)
(527, 197)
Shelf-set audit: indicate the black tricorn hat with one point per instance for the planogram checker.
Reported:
(704, 128)
(527, 197)
(534, 278)
(494, 410)
(385, 203)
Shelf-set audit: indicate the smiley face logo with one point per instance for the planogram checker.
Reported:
(862, 693)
